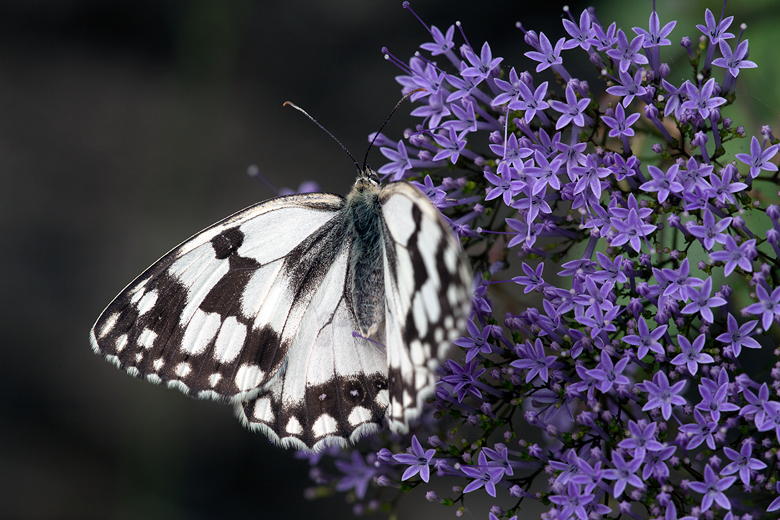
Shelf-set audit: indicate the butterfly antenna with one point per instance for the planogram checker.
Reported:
(299, 109)
(408, 94)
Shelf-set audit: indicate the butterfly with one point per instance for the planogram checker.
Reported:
(321, 318)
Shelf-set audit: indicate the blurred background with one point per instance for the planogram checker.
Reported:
(127, 126)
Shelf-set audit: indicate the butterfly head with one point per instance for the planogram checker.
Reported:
(367, 174)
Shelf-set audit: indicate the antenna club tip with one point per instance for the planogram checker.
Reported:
(287, 103)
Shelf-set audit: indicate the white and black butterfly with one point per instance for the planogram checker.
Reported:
(260, 310)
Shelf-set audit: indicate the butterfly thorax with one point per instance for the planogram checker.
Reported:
(365, 278)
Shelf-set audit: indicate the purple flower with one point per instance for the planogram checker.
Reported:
(548, 57)
(441, 42)
(610, 272)
(663, 183)
(483, 475)
(691, 354)
(724, 186)
(480, 66)
(357, 474)
(511, 152)
(533, 358)
(758, 159)
(757, 404)
(655, 463)
(466, 119)
(715, 402)
(464, 379)
(511, 89)
(742, 462)
(435, 110)
(736, 255)
(418, 461)
(662, 395)
(435, 194)
(703, 100)
(646, 340)
(580, 33)
(424, 75)
(545, 173)
(532, 103)
(573, 502)
(693, 175)
(738, 337)
(599, 321)
(642, 438)
(399, 161)
(609, 374)
(627, 54)
(500, 458)
(702, 301)
(630, 230)
(655, 38)
(736, 60)
(572, 111)
(620, 124)
(451, 146)
(532, 279)
(699, 432)
(587, 475)
(767, 307)
(679, 280)
(715, 30)
(477, 343)
(601, 39)
(710, 231)
(625, 473)
(590, 175)
(629, 86)
(505, 186)
(775, 505)
(712, 488)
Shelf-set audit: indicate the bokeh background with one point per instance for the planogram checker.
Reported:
(128, 125)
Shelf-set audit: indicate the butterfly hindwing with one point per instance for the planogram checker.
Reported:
(333, 389)
(428, 296)
(210, 315)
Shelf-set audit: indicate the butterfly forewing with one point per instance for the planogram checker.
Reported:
(261, 309)
(208, 317)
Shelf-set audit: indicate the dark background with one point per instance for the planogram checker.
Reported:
(125, 127)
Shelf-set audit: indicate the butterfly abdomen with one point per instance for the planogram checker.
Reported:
(366, 267)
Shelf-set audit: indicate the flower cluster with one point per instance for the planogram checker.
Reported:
(648, 264)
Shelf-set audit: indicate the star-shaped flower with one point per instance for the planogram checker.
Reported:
(662, 395)
(758, 159)
(419, 461)
(691, 354)
(767, 307)
(712, 488)
(739, 336)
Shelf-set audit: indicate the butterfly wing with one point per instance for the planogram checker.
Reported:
(334, 388)
(216, 316)
(428, 297)
(256, 309)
